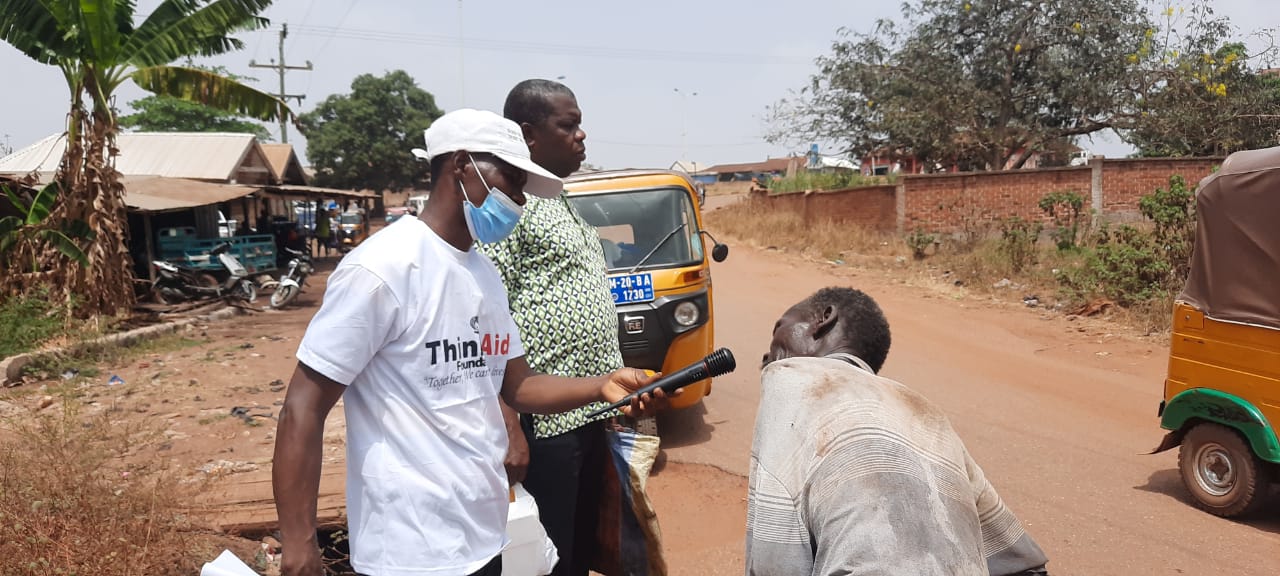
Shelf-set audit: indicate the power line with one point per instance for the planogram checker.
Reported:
(281, 67)
(262, 33)
(543, 48)
(329, 38)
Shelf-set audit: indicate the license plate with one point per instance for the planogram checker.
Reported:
(631, 288)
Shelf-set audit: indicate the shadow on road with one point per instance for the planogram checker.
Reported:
(682, 428)
(1169, 483)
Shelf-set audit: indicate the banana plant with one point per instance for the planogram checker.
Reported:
(34, 228)
(99, 46)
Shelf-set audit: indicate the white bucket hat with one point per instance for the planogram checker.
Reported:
(483, 131)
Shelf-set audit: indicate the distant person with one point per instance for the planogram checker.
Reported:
(857, 475)
(415, 334)
(553, 266)
(323, 232)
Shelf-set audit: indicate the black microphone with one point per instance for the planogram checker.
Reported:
(717, 363)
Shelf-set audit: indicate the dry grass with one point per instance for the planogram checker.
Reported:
(752, 221)
(87, 495)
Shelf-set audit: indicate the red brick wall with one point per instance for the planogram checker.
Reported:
(871, 207)
(948, 202)
(1124, 181)
(954, 202)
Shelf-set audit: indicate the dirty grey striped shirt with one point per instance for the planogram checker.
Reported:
(854, 474)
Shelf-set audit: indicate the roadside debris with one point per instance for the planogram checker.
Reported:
(222, 467)
(1094, 308)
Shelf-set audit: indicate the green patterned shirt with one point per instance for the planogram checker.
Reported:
(554, 269)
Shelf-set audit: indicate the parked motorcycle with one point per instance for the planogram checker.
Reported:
(175, 284)
(291, 282)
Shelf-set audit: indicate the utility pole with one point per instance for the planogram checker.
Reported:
(280, 67)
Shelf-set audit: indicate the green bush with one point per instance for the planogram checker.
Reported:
(1173, 210)
(1125, 266)
(1131, 266)
(805, 180)
(919, 241)
(1066, 208)
(1018, 240)
(27, 321)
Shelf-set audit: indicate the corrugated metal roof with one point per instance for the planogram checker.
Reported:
(284, 163)
(43, 156)
(159, 194)
(212, 156)
(156, 193)
(193, 155)
(772, 165)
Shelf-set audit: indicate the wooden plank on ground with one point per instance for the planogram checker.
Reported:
(244, 503)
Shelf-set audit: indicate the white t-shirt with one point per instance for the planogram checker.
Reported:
(421, 334)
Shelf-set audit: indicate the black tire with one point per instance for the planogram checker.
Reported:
(283, 295)
(1222, 473)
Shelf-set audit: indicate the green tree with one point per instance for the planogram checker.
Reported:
(362, 140)
(979, 83)
(97, 46)
(1205, 94)
(156, 113)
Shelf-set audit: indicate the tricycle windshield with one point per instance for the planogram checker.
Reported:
(349, 218)
(644, 229)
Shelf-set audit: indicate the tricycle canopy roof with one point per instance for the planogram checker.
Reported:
(1235, 267)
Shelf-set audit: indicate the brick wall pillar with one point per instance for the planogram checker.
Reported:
(900, 206)
(1095, 187)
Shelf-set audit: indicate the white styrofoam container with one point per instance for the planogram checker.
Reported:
(530, 552)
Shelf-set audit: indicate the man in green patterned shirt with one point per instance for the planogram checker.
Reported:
(554, 270)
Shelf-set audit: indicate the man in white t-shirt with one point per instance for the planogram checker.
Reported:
(415, 331)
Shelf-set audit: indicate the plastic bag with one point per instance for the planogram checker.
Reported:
(530, 552)
(629, 541)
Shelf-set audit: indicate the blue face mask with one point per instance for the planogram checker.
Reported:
(493, 220)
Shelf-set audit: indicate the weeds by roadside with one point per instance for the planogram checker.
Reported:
(84, 495)
(1138, 268)
(83, 363)
(806, 180)
(26, 322)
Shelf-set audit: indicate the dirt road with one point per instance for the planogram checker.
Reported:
(1059, 413)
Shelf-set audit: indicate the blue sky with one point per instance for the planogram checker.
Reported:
(624, 60)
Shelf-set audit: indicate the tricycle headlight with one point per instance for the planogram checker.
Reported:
(686, 314)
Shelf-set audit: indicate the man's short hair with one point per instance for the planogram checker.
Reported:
(864, 326)
(530, 101)
(437, 166)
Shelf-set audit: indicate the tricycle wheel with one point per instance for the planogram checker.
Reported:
(1220, 470)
